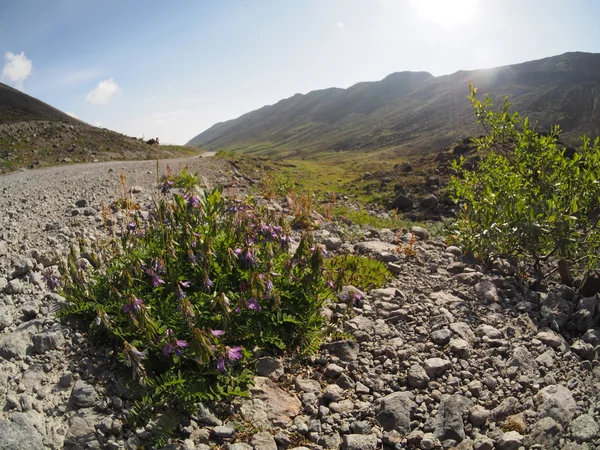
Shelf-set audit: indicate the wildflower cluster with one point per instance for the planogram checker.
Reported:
(200, 283)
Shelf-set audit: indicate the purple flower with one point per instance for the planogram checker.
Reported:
(269, 285)
(234, 353)
(253, 304)
(185, 284)
(208, 284)
(194, 201)
(158, 265)
(229, 355)
(245, 257)
(192, 258)
(131, 227)
(217, 333)
(51, 279)
(221, 364)
(166, 186)
(156, 280)
(329, 284)
(175, 347)
(133, 305)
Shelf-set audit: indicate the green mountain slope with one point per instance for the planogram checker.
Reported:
(414, 112)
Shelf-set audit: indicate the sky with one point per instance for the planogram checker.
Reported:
(172, 69)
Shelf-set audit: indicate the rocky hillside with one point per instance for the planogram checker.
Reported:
(412, 113)
(450, 354)
(34, 134)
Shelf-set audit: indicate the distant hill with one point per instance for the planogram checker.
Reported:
(415, 112)
(33, 134)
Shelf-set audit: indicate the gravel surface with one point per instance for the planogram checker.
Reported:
(448, 355)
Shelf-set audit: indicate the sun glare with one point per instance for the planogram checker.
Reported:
(448, 13)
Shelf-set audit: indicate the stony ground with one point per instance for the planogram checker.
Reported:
(448, 355)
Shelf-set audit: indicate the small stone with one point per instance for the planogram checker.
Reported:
(264, 441)
(269, 367)
(360, 442)
(441, 337)
(304, 385)
(14, 287)
(436, 366)
(333, 392)
(333, 370)
(510, 440)
(83, 395)
(460, 348)
(479, 415)
(48, 340)
(81, 203)
(556, 401)
(394, 411)
(417, 377)
(420, 232)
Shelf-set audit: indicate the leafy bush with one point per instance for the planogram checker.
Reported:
(359, 271)
(189, 290)
(528, 198)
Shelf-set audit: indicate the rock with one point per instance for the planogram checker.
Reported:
(345, 350)
(402, 202)
(460, 348)
(264, 441)
(482, 442)
(591, 337)
(441, 337)
(19, 433)
(137, 189)
(6, 318)
(555, 310)
(416, 376)
(479, 415)
(455, 267)
(304, 385)
(333, 370)
(222, 432)
(546, 432)
(14, 287)
(332, 243)
(449, 418)
(83, 395)
(375, 247)
(18, 343)
(269, 404)
(393, 412)
(556, 401)
(22, 266)
(487, 291)
(3, 248)
(48, 257)
(583, 350)
(436, 366)
(420, 232)
(269, 367)
(511, 440)
(508, 407)
(81, 203)
(551, 339)
(582, 320)
(463, 330)
(490, 332)
(454, 250)
(30, 309)
(333, 392)
(522, 362)
(48, 340)
(429, 201)
(360, 442)
(584, 428)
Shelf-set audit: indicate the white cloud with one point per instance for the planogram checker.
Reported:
(16, 69)
(341, 25)
(102, 93)
(72, 115)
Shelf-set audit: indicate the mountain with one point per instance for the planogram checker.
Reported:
(33, 134)
(415, 112)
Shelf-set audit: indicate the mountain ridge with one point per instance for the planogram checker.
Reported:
(415, 112)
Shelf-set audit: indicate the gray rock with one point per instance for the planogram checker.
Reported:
(206, 416)
(333, 392)
(333, 370)
(81, 203)
(360, 442)
(48, 340)
(434, 367)
(83, 395)
(375, 247)
(555, 309)
(223, 432)
(490, 332)
(264, 440)
(18, 343)
(552, 339)
(30, 309)
(511, 440)
(441, 337)
(488, 291)
(508, 407)
(332, 243)
(546, 432)
(19, 433)
(521, 362)
(6, 318)
(345, 350)
(583, 350)
(584, 428)
(582, 320)
(3, 248)
(429, 201)
(479, 415)
(394, 411)
(556, 401)
(14, 287)
(416, 376)
(449, 418)
(22, 266)
(420, 232)
(460, 348)
(591, 337)
(402, 202)
(269, 367)
(453, 250)
(463, 330)
(589, 304)
(307, 385)
(239, 446)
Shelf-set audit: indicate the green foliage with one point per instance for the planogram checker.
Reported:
(528, 198)
(191, 288)
(274, 185)
(359, 271)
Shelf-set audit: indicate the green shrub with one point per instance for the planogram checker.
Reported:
(528, 199)
(189, 292)
(359, 271)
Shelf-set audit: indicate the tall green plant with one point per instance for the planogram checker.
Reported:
(527, 198)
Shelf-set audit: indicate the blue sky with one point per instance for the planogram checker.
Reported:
(174, 68)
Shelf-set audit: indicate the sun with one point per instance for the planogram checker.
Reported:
(448, 13)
